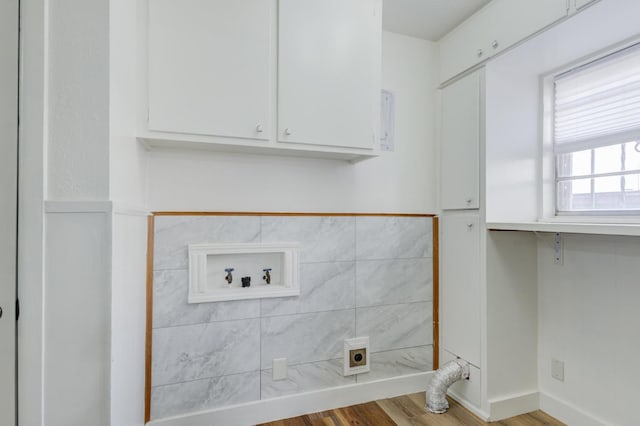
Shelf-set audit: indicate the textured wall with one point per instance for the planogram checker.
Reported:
(359, 276)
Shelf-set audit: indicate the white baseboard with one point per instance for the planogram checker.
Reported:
(504, 408)
(566, 412)
(468, 405)
(284, 407)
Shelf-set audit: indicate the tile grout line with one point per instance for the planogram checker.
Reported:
(260, 316)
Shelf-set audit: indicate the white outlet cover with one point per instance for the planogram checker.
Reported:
(279, 368)
(557, 369)
(356, 343)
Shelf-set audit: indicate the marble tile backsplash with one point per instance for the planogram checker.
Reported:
(359, 276)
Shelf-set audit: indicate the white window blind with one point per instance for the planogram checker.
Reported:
(598, 104)
(596, 128)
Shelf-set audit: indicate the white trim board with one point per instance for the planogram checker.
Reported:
(515, 405)
(296, 405)
(58, 206)
(566, 412)
(632, 229)
(64, 206)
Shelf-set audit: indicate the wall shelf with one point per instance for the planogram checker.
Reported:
(209, 265)
(630, 229)
(155, 140)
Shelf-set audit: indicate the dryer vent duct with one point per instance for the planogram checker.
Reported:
(445, 376)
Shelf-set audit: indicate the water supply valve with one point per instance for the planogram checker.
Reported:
(267, 275)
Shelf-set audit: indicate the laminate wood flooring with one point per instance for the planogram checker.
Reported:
(408, 410)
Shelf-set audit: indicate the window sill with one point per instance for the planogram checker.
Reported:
(632, 229)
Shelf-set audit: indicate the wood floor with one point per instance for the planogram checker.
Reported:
(407, 410)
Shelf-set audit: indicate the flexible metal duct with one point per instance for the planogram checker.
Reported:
(445, 376)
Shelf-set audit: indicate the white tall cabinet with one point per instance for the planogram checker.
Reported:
(461, 237)
(487, 291)
(488, 288)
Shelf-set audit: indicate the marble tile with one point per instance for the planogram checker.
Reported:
(306, 338)
(305, 378)
(174, 233)
(393, 237)
(188, 397)
(396, 326)
(398, 363)
(321, 238)
(323, 287)
(170, 307)
(385, 282)
(201, 351)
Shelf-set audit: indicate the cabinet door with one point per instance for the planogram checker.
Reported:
(525, 18)
(467, 44)
(460, 285)
(497, 26)
(460, 142)
(209, 66)
(329, 72)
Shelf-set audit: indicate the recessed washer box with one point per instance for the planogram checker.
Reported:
(212, 265)
(356, 356)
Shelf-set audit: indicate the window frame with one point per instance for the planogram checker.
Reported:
(548, 193)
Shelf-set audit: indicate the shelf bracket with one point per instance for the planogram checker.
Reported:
(557, 247)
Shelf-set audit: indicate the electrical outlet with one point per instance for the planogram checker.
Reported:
(279, 369)
(557, 369)
(356, 356)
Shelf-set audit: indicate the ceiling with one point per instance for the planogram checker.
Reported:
(427, 19)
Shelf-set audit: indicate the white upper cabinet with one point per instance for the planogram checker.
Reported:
(329, 72)
(497, 26)
(460, 144)
(209, 67)
(291, 77)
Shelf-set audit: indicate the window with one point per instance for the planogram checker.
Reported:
(596, 135)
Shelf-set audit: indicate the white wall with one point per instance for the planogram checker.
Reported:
(76, 319)
(77, 250)
(588, 318)
(401, 181)
(78, 102)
